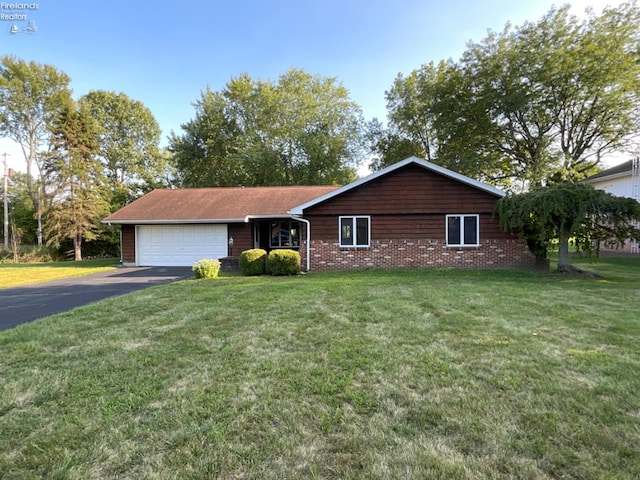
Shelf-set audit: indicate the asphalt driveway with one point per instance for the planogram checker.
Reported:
(25, 304)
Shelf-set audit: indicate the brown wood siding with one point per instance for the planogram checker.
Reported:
(128, 243)
(411, 203)
(242, 234)
(411, 190)
(325, 227)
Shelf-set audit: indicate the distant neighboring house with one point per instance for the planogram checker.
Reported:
(411, 214)
(624, 181)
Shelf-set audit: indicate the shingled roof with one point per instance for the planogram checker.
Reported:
(215, 205)
(618, 170)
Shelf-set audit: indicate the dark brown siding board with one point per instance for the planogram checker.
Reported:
(409, 190)
(128, 243)
(325, 227)
(242, 234)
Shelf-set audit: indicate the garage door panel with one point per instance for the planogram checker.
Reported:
(179, 245)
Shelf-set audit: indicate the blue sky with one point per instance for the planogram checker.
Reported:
(165, 53)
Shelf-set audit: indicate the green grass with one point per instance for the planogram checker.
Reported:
(354, 375)
(17, 275)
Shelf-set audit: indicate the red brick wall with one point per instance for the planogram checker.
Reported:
(412, 253)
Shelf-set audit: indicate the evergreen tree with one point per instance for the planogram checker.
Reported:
(80, 199)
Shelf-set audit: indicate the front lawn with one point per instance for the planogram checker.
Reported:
(422, 374)
(18, 275)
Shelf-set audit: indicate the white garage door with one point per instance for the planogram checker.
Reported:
(179, 245)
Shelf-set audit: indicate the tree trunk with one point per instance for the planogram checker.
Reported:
(77, 248)
(563, 251)
(39, 230)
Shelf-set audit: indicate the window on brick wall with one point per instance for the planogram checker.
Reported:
(354, 231)
(463, 230)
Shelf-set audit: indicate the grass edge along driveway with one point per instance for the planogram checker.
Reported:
(372, 374)
(19, 275)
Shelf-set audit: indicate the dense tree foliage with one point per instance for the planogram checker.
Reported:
(389, 146)
(79, 158)
(21, 209)
(302, 129)
(565, 211)
(535, 104)
(79, 196)
(128, 142)
(31, 96)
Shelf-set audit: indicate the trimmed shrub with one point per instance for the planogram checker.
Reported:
(252, 262)
(206, 268)
(283, 262)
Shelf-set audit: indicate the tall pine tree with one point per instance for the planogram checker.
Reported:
(80, 198)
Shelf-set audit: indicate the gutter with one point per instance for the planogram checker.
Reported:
(265, 217)
(606, 178)
(199, 221)
(308, 242)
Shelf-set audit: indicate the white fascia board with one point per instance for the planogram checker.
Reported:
(418, 161)
(174, 222)
(248, 218)
(607, 177)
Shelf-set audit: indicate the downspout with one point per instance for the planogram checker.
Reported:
(308, 242)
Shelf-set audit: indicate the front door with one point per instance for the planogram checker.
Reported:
(261, 235)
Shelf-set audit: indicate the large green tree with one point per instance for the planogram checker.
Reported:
(388, 146)
(302, 129)
(80, 198)
(128, 142)
(565, 211)
(432, 115)
(31, 96)
(542, 102)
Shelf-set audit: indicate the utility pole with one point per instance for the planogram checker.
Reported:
(6, 203)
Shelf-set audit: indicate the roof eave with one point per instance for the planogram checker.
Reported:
(141, 221)
(273, 216)
(605, 178)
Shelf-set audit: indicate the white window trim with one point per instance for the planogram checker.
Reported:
(462, 216)
(353, 227)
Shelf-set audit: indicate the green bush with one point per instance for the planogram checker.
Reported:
(30, 254)
(252, 262)
(283, 262)
(206, 268)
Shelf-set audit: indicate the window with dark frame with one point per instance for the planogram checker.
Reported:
(285, 234)
(354, 231)
(463, 230)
